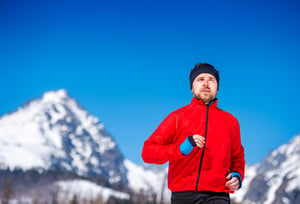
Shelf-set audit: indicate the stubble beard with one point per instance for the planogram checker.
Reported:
(206, 98)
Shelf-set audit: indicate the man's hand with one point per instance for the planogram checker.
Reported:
(232, 183)
(199, 140)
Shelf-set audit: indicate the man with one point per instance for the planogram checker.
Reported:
(202, 144)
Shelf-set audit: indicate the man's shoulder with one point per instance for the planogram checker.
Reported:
(176, 113)
(227, 114)
(181, 109)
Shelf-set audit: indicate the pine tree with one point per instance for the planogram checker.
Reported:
(74, 200)
(8, 191)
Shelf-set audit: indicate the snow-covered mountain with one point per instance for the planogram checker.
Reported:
(276, 179)
(54, 133)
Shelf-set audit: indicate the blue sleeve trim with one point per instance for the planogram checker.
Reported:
(186, 147)
(237, 174)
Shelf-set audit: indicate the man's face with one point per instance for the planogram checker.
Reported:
(205, 87)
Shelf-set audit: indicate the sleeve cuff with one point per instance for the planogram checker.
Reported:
(186, 147)
(192, 141)
(237, 174)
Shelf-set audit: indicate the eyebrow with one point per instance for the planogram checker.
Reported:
(202, 77)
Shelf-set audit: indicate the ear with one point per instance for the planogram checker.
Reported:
(192, 90)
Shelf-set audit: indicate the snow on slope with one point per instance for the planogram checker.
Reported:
(20, 137)
(151, 180)
(284, 164)
(148, 180)
(87, 190)
(250, 173)
(141, 178)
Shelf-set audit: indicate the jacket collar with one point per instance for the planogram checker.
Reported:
(213, 103)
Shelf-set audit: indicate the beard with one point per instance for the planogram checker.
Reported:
(205, 97)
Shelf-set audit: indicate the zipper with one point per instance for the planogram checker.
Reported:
(203, 149)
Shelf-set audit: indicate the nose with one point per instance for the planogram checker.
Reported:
(205, 83)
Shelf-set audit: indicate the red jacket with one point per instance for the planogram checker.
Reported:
(222, 153)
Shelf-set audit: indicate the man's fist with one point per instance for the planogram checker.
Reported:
(199, 140)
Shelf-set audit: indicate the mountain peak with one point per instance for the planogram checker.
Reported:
(55, 96)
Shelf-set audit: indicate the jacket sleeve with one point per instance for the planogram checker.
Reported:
(160, 147)
(237, 152)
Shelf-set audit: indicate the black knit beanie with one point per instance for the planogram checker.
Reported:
(203, 68)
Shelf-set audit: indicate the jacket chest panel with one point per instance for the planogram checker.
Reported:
(191, 125)
(218, 130)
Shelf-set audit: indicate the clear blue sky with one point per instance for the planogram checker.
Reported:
(127, 62)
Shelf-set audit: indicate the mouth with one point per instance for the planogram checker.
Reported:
(205, 90)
